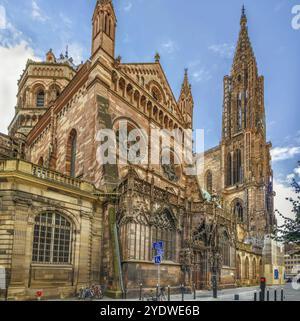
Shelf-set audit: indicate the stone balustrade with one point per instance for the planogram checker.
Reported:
(20, 166)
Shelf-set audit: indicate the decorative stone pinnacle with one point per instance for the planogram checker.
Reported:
(157, 57)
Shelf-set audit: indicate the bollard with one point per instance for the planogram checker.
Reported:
(182, 292)
(255, 296)
(282, 295)
(275, 295)
(125, 293)
(236, 297)
(141, 291)
(260, 296)
(195, 295)
(169, 293)
(268, 295)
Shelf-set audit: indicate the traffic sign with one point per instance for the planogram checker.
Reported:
(157, 259)
(158, 245)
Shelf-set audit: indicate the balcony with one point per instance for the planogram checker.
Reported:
(17, 166)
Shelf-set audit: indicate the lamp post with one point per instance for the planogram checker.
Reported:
(215, 256)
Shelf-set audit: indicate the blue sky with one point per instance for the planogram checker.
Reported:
(195, 34)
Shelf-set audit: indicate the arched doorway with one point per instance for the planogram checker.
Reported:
(200, 270)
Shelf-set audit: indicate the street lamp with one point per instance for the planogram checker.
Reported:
(215, 256)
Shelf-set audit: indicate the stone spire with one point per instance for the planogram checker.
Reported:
(244, 49)
(186, 87)
(186, 101)
(243, 17)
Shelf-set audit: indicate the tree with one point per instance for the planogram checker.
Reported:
(289, 232)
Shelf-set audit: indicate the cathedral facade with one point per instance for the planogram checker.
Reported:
(68, 221)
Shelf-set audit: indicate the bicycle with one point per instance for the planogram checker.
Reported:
(161, 296)
(94, 292)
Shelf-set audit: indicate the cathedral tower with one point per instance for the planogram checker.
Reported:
(247, 174)
(104, 28)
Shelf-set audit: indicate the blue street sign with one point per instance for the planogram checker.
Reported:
(158, 245)
(157, 260)
(276, 274)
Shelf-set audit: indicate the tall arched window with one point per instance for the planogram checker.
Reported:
(164, 229)
(247, 267)
(40, 98)
(239, 212)
(53, 237)
(229, 169)
(209, 182)
(71, 153)
(225, 248)
(239, 112)
(237, 167)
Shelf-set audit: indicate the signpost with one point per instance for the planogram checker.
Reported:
(159, 252)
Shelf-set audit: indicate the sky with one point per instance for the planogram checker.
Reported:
(196, 34)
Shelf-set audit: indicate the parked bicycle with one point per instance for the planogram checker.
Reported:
(151, 296)
(94, 292)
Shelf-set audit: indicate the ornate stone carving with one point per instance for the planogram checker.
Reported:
(186, 258)
(170, 172)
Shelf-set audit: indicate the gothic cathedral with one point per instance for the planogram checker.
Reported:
(68, 221)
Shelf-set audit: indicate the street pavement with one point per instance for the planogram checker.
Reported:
(245, 294)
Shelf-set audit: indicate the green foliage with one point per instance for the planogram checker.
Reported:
(289, 232)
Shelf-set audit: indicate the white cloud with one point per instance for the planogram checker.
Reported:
(37, 13)
(281, 203)
(284, 153)
(2, 17)
(15, 58)
(201, 75)
(297, 171)
(224, 50)
(76, 52)
(290, 177)
(14, 52)
(169, 47)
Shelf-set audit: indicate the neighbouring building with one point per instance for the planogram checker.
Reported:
(273, 261)
(66, 221)
(292, 261)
